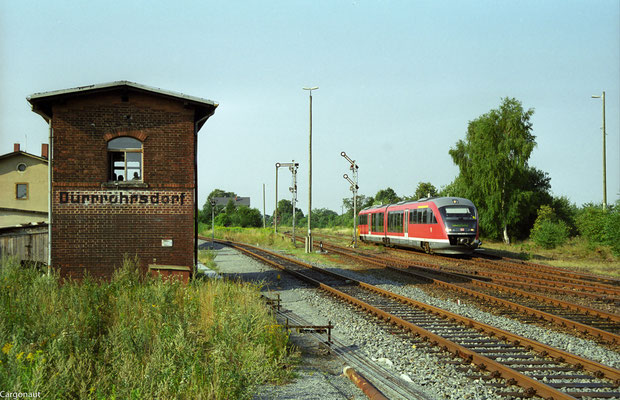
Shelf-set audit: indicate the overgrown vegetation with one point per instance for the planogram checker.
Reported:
(135, 337)
(207, 258)
(548, 231)
(600, 227)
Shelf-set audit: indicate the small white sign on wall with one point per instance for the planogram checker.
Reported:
(166, 243)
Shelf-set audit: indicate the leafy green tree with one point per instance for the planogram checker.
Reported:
(493, 164)
(386, 196)
(321, 218)
(230, 215)
(223, 219)
(368, 201)
(285, 207)
(566, 211)
(247, 217)
(425, 189)
(285, 213)
(456, 188)
(537, 194)
(347, 202)
(230, 207)
(549, 231)
(204, 215)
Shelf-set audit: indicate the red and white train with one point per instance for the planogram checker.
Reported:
(446, 225)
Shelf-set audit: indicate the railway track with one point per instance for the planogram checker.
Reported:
(603, 295)
(537, 276)
(538, 369)
(603, 326)
(549, 270)
(540, 271)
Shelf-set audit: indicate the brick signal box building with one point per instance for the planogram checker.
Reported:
(123, 173)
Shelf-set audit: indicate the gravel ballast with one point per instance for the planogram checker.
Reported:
(320, 377)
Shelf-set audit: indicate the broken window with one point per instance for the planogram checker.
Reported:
(125, 159)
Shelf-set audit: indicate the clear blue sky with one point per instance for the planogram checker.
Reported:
(399, 82)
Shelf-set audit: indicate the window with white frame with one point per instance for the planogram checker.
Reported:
(125, 159)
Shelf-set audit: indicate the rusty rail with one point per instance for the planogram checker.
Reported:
(606, 336)
(484, 363)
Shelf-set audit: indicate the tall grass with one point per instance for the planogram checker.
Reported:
(135, 337)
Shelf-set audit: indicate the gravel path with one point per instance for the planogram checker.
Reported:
(320, 376)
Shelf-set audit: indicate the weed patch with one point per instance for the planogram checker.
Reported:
(136, 337)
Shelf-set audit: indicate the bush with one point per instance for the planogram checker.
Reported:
(612, 230)
(591, 223)
(600, 227)
(549, 234)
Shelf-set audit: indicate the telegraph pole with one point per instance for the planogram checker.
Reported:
(264, 223)
(604, 155)
(309, 237)
(275, 213)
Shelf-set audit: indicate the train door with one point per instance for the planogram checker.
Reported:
(422, 215)
(406, 223)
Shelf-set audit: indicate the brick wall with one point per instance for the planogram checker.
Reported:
(95, 223)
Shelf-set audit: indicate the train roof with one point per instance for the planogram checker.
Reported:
(439, 202)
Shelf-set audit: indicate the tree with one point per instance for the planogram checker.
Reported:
(493, 164)
(537, 195)
(567, 212)
(230, 207)
(386, 196)
(456, 188)
(424, 189)
(285, 213)
(323, 218)
(347, 202)
(229, 215)
(204, 215)
(549, 231)
(248, 217)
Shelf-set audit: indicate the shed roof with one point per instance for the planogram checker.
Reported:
(42, 102)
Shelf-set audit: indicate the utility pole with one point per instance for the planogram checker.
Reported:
(275, 213)
(604, 155)
(309, 237)
(264, 222)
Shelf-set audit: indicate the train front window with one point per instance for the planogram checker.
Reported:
(458, 213)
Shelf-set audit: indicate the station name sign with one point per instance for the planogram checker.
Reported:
(123, 198)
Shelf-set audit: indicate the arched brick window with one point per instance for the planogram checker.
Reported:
(125, 159)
